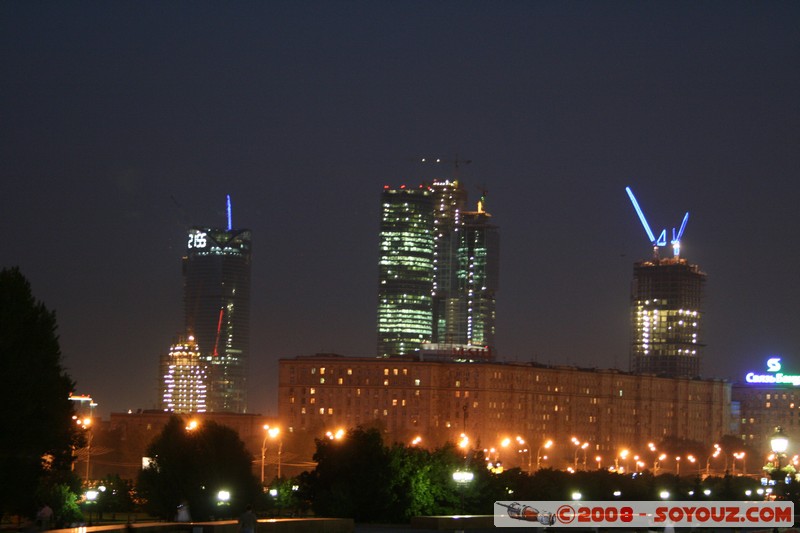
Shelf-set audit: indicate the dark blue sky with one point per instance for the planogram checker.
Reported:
(123, 123)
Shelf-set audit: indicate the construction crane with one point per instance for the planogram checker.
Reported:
(662, 237)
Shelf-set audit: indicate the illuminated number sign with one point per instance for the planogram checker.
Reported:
(198, 240)
(775, 376)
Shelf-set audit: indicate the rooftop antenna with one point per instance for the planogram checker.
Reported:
(230, 224)
(662, 237)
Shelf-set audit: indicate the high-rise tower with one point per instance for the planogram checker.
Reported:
(184, 378)
(666, 308)
(449, 310)
(406, 270)
(216, 272)
(478, 276)
(666, 317)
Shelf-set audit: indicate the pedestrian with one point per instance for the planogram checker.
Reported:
(248, 520)
(183, 513)
(44, 516)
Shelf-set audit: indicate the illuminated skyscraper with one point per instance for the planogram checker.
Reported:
(183, 378)
(438, 274)
(666, 317)
(406, 270)
(449, 310)
(478, 276)
(216, 272)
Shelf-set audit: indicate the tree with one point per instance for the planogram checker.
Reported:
(193, 466)
(352, 478)
(38, 433)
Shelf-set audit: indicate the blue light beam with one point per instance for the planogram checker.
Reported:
(644, 220)
(230, 220)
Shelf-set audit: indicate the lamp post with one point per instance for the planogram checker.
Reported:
(779, 443)
(91, 498)
(273, 433)
(546, 446)
(462, 478)
(740, 456)
(717, 451)
(264, 451)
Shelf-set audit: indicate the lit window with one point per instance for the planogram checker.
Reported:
(349, 371)
(322, 410)
(341, 381)
(322, 371)
(312, 390)
(386, 382)
(417, 382)
(385, 371)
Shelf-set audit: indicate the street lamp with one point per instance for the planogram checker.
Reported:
(91, 498)
(779, 443)
(462, 478)
(546, 446)
(717, 451)
(85, 424)
(264, 451)
(335, 435)
(739, 456)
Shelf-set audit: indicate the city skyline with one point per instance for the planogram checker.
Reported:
(114, 145)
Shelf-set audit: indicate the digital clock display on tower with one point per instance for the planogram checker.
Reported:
(197, 239)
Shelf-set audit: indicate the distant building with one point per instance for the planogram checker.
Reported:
(764, 400)
(666, 317)
(216, 272)
(438, 274)
(184, 378)
(478, 276)
(406, 272)
(449, 309)
(488, 402)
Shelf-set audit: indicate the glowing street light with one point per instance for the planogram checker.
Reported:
(779, 443)
(462, 478)
(739, 456)
(416, 440)
(717, 451)
(546, 446)
(335, 435)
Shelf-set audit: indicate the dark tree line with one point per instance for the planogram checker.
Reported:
(192, 466)
(38, 434)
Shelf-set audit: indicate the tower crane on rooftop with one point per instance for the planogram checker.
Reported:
(662, 237)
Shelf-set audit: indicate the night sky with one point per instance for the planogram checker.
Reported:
(124, 123)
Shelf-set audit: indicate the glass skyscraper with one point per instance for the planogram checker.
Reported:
(666, 317)
(438, 274)
(449, 310)
(406, 270)
(216, 272)
(478, 276)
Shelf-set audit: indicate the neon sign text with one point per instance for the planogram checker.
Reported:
(776, 377)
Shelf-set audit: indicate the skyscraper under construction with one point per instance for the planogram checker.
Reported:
(216, 272)
(666, 308)
(666, 317)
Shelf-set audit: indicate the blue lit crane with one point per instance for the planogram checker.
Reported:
(662, 237)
